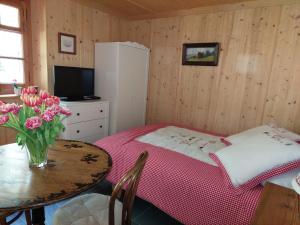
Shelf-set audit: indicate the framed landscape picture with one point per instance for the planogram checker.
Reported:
(200, 54)
(66, 43)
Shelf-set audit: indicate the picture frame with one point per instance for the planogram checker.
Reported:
(200, 54)
(66, 43)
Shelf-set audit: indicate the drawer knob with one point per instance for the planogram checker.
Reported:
(100, 126)
(101, 110)
(78, 114)
(78, 131)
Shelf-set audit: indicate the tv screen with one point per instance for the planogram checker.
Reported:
(73, 83)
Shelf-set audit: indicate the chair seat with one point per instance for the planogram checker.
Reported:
(89, 209)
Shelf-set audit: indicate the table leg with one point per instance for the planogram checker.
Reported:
(28, 217)
(38, 216)
(2, 220)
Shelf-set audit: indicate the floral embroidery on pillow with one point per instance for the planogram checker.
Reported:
(279, 138)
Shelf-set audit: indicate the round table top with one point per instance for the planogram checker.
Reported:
(72, 168)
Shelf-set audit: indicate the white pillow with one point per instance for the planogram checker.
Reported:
(242, 136)
(256, 159)
(285, 179)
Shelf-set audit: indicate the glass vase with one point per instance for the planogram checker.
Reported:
(37, 154)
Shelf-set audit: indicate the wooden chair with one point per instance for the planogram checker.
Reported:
(98, 209)
(4, 215)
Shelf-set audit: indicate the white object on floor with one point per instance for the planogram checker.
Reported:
(88, 209)
(191, 143)
(121, 77)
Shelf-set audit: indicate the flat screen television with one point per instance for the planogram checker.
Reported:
(74, 83)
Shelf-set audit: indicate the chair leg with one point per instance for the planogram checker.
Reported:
(28, 217)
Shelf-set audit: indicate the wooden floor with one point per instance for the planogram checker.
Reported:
(144, 213)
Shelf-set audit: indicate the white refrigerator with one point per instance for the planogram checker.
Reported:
(121, 77)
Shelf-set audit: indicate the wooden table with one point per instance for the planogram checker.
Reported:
(277, 206)
(72, 168)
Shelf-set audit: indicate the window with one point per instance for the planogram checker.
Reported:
(12, 45)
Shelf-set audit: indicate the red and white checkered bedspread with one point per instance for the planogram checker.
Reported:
(187, 189)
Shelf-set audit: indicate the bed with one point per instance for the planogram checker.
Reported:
(186, 188)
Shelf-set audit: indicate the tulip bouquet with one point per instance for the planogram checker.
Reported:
(38, 121)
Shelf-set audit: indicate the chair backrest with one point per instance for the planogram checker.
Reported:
(131, 179)
(4, 215)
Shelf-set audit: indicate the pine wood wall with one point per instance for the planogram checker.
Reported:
(88, 24)
(257, 80)
(39, 75)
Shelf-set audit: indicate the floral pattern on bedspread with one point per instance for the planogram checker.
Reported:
(187, 142)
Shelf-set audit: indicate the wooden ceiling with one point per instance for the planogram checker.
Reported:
(147, 9)
(139, 8)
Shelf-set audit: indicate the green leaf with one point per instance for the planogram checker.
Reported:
(56, 129)
(40, 138)
(21, 139)
(22, 116)
(47, 136)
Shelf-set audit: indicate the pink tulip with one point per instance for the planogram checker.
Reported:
(7, 108)
(33, 123)
(56, 100)
(65, 111)
(55, 109)
(1, 103)
(36, 109)
(29, 90)
(24, 91)
(31, 100)
(4, 109)
(44, 94)
(15, 108)
(49, 101)
(3, 119)
(48, 116)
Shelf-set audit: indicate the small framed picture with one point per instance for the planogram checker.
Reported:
(67, 43)
(200, 54)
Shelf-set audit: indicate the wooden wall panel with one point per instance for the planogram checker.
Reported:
(7, 136)
(39, 43)
(136, 31)
(261, 51)
(114, 28)
(283, 97)
(245, 70)
(90, 25)
(257, 78)
(197, 87)
(165, 60)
